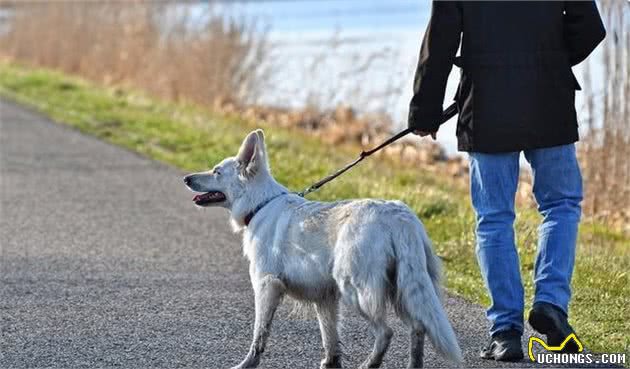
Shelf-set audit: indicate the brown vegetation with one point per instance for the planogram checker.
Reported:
(156, 46)
(605, 149)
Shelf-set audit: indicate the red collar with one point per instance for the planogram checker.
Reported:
(251, 214)
(248, 218)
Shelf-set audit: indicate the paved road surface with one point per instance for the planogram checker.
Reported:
(105, 262)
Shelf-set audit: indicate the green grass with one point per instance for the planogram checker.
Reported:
(193, 138)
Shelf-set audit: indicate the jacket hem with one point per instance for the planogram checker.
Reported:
(531, 146)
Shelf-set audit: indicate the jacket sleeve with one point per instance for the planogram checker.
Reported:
(583, 29)
(437, 53)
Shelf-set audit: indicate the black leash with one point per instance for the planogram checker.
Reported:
(450, 112)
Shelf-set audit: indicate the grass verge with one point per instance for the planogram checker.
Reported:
(193, 138)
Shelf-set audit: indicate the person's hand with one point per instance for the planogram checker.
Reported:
(424, 133)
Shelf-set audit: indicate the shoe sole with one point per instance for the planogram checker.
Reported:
(511, 358)
(502, 357)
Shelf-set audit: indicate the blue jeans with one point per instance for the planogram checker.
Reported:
(558, 191)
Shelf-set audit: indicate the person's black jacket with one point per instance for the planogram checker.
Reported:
(517, 89)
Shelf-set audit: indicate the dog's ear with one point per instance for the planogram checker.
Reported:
(261, 143)
(251, 156)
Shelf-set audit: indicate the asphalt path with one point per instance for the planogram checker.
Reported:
(105, 262)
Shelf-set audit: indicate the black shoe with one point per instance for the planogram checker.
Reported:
(551, 321)
(504, 346)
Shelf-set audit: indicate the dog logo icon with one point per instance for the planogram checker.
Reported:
(559, 348)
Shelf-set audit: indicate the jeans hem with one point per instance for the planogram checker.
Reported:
(520, 329)
(551, 302)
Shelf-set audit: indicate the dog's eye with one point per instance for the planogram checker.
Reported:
(216, 172)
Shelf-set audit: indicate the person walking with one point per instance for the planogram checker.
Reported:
(516, 94)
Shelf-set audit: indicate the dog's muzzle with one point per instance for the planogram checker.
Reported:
(206, 198)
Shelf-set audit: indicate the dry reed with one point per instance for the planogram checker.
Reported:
(162, 47)
(605, 149)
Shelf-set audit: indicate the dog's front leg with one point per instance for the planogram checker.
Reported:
(268, 293)
(327, 313)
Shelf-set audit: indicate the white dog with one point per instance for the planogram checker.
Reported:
(368, 253)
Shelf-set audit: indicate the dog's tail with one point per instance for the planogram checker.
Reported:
(419, 296)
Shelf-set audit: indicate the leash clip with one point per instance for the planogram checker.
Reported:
(306, 191)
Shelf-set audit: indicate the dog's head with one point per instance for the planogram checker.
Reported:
(229, 180)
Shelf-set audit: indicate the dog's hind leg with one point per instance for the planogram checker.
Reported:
(416, 348)
(328, 315)
(269, 292)
(372, 306)
(382, 338)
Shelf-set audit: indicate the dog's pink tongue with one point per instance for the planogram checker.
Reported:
(198, 197)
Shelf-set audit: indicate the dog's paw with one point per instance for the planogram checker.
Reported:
(247, 363)
(330, 366)
(369, 363)
(334, 362)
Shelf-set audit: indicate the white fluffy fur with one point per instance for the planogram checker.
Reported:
(366, 253)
